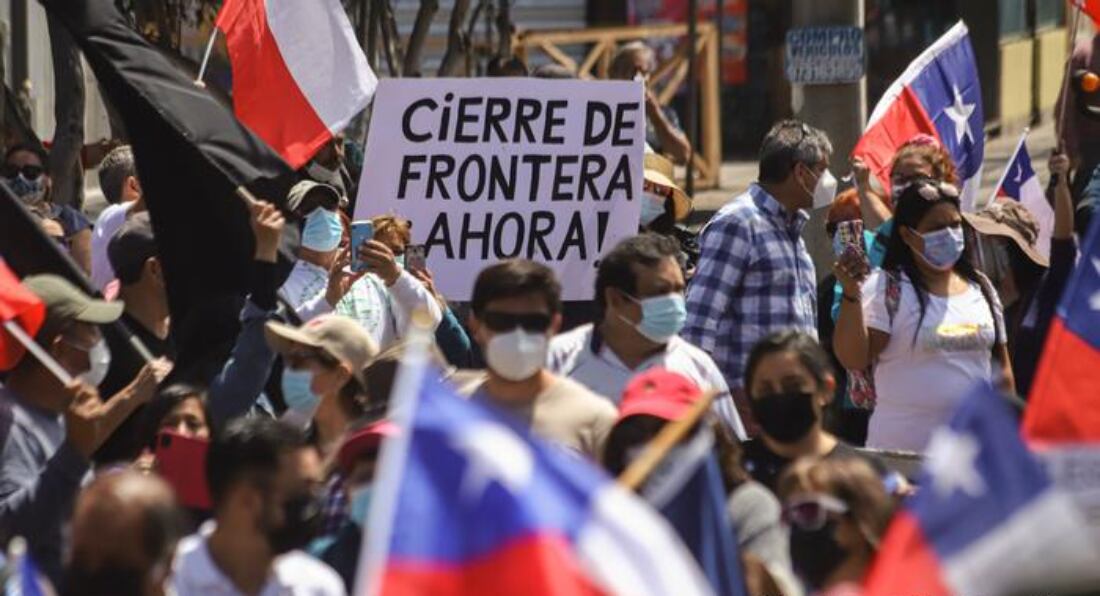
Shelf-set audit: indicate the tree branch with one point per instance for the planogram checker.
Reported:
(65, 166)
(419, 35)
(456, 40)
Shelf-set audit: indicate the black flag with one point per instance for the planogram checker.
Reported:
(192, 154)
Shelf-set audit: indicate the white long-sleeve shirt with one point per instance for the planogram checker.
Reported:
(383, 312)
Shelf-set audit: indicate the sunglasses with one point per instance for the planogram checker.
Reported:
(30, 172)
(501, 322)
(811, 512)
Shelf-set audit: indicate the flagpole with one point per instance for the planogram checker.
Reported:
(32, 346)
(1061, 124)
(656, 450)
(1011, 158)
(206, 58)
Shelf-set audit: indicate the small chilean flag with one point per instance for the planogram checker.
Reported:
(1064, 405)
(468, 502)
(22, 306)
(1091, 8)
(1020, 183)
(938, 94)
(299, 75)
(987, 520)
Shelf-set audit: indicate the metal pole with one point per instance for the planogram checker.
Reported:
(692, 95)
(1061, 124)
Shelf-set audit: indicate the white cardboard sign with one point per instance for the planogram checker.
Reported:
(491, 169)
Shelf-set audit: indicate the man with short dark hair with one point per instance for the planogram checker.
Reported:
(119, 183)
(755, 275)
(639, 295)
(262, 480)
(515, 310)
(124, 532)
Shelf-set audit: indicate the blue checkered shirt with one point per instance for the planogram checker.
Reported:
(754, 277)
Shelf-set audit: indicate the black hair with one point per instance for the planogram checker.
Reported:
(809, 352)
(516, 277)
(506, 67)
(43, 156)
(617, 267)
(247, 448)
(166, 400)
(911, 207)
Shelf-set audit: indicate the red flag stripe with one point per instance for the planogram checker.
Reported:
(904, 119)
(21, 305)
(905, 564)
(1062, 406)
(266, 98)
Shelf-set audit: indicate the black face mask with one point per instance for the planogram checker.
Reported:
(111, 579)
(785, 417)
(815, 554)
(301, 522)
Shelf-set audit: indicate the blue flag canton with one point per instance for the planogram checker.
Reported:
(1080, 307)
(950, 91)
(1018, 172)
(474, 482)
(977, 474)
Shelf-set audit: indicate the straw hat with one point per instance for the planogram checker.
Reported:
(1010, 219)
(658, 179)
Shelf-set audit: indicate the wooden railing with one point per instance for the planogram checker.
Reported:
(667, 80)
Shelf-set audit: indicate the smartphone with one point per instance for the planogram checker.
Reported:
(361, 231)
(181, 461)
(416, 257)
(848, 233)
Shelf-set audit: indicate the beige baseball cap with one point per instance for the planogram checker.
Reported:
(340, 337)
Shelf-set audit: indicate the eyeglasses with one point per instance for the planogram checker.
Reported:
(811, 512)
(29, 171)
(502, 322)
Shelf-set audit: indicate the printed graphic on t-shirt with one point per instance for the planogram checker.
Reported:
(957, 337)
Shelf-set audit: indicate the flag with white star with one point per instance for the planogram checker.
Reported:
(986, 519)
(938, 94)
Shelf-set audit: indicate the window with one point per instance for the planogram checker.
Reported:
(1013, 15)
(1049, 13)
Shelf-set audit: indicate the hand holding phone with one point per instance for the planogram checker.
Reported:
(416, 257)
(181, 461)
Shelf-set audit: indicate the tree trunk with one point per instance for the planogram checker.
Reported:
(505, 29)
(456, 40)
(419, 35)
(65, 166)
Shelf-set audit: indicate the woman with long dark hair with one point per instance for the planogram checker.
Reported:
(929, 323)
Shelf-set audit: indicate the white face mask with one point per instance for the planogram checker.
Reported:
(517, 355)
(824, 190)
(99, 358)
(653, 206)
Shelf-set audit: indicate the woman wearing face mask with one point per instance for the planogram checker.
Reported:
(837, 512)
(928, 322)
(25, 174)
(355, 462)
(789, 379)
(322, 381)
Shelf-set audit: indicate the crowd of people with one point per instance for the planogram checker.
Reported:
(254, 476)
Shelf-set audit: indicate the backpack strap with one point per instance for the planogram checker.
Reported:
(994, 303)
(893, 294)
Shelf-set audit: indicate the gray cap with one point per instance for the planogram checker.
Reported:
(66, 303)
(308, 194)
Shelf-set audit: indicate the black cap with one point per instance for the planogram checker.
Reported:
(131, 246)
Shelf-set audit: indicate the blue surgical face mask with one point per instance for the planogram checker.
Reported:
(943, 248)
(653, 206)
(360, 505)
(297, 393)
(662, 317)
(322, 231)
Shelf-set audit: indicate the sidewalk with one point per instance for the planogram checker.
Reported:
(737, 175)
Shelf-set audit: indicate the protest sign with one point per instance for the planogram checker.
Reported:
(491, 169)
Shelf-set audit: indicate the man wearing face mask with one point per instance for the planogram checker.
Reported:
(755, 275)
(54, 428)
(260, 474)
(318, 280)
(639, 292)
(515, 310)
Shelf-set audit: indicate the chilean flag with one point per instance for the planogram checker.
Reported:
(938, 94)
(466, 502)
(986, 520)
(24, 308)
(1091, 8)
(299, 75)
(1020, 183)
(1064, 405)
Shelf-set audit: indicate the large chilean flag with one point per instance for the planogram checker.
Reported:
(299, 75)
(986, 520)
(467, 502)
(938, 94)
(1064, 405)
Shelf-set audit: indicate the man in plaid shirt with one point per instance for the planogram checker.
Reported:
(754, 274)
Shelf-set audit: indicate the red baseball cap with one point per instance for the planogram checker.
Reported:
(362, 442)
(659, 392)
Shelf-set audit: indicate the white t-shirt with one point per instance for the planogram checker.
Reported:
(571, 356)
(919, 384)
(292, 574)
(109, 221)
